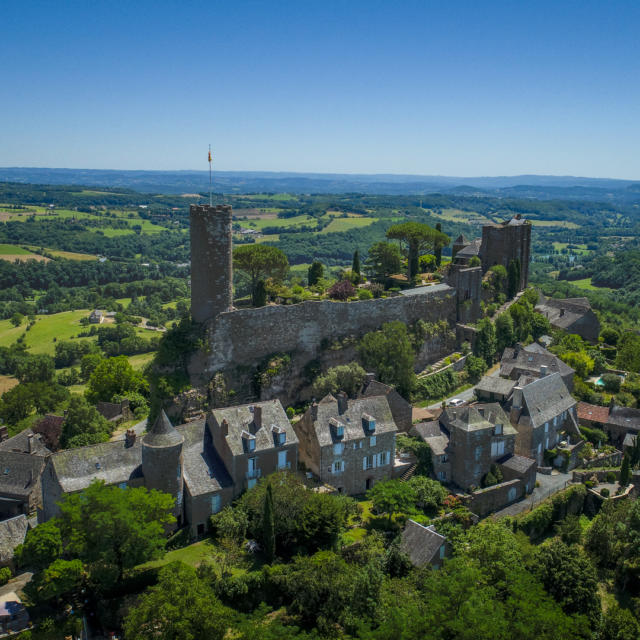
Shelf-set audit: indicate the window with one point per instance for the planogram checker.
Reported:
(511, 496)
(337, 466)
(498, 430)
(357, 445)
(372, 441)
(442, 550)
(546, 427)
(123, 485)
(368, 462)
(282, 460)
(384, 458)
(216, 503)
(444, 458)
(281, 438)
(497, 449)
(338, 448)
(442, 475)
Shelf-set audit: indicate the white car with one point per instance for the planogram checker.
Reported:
(456, 402)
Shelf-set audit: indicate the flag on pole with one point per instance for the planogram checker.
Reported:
(209, 155)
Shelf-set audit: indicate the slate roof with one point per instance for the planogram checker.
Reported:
(112, 462)
(352, 419)
(472, 249)
(424, 430)
(420, 543)
(20, 443)
(545, 398)
(12, 533)
(477, 417)
(162, 434)
(572, 310)
(516, 463)
(493, 384)
(592, 412)
(461, 239)
(19, 472)
(518, 360)
(241, 418)
(203, 470)
(624, 417)
(629, 440)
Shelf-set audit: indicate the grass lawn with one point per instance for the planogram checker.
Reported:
(40, 338)
(13, 250)
(261, 223)
(67, 255)
(192, 555)
(585, 283)
(6, 383)
(458, 215)
(140, 360)
(346, 224)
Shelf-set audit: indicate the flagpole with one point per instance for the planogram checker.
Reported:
(210, 195)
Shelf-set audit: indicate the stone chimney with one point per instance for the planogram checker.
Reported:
(516, 350)
(343, 402)
(257, 417)
(516, 401)
(314, 410)
(561, 312)
(543, 370)
(224, 428)
(130, 438)
(30, 438)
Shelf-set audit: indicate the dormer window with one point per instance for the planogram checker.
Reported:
(248, 441)
(279, 435)
(498, 430)
(337, 428)
(368, 422)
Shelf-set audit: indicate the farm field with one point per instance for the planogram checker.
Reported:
(565, 224)
(13, 253)
(261, 223)
(585, 283)
(346, 224)
(582, 248)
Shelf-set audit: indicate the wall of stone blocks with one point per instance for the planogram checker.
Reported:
(491, 499)
(503, 243)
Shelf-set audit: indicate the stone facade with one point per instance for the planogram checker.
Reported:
(341, 448)
(211, 266)
(573, 315)
(485, 501)
(502, 243)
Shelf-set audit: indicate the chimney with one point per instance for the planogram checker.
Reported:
(224, 428)
(314, 411)
(516, 349)
(516, 401)
(543, 370)
(130, 438)
(4, 433)
(257, 416)
(30, 438)
(561, 312)
(343, 402)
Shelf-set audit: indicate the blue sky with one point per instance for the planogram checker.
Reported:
(449, 88)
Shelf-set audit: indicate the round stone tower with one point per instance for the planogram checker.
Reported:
(211, 265)
(162, 461)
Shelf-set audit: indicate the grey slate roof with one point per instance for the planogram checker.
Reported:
(112, 462)
(162, 434)
(352, 419)
(545, 398)
(19, 472)
(519, 464)
(493, 384)
(629, 440)
(203, 470)
(563, 312)
(472, 249)
(425, 430)
(20, 443)
(428, 289)
(420, 543)
(518, 360)
(241, 418)
(476, 417)
(12, 533)
(624, 417)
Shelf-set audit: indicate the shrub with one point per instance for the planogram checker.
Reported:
(364, 294)
(611, 382)
(611, 477)
(5, 575)
(342, 290)
(604, 492)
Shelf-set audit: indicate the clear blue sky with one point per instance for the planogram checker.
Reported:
(450, 88)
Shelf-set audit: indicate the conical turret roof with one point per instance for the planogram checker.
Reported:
(163, 433)
(461, 239)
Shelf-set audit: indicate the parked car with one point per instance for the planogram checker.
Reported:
(456, 402)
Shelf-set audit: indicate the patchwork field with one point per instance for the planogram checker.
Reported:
(345, 224)
(13, 253)
(565, 224)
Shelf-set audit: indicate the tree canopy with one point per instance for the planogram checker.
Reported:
(259, 262)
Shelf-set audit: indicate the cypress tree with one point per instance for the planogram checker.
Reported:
(315, 273)
(513, 278)
(355, 267)
(268, 526)
(625, 470)
(260, 295)
(437, 251)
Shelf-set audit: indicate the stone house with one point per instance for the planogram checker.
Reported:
(22, 460)
(592, 415)
(424, 545)
(541, 410)
(348, 444)
(438, 440)
(620, 421)
(115, 411)
(494, 389)
(573, 315)
(401, 410)
(96, 317)
(253, 440)
(533, 361)
(479, 436)
(12, 534)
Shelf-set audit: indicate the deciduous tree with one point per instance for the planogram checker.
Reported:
(260, 262)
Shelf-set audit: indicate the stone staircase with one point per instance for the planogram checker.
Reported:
(408, 474)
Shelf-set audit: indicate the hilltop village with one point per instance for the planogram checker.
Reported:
(278, 391)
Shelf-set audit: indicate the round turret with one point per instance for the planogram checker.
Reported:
(162, 461)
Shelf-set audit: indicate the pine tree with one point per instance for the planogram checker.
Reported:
(268, 526)
(625, 471)
(355, 267)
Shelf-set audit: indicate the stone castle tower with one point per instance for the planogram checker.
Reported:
(211, 266)
(162, 461)
(502, 243)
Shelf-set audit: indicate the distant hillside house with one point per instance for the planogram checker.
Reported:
(424, 545)
(533, 361)
(620, 422)
(96, 317)
(573, 315)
